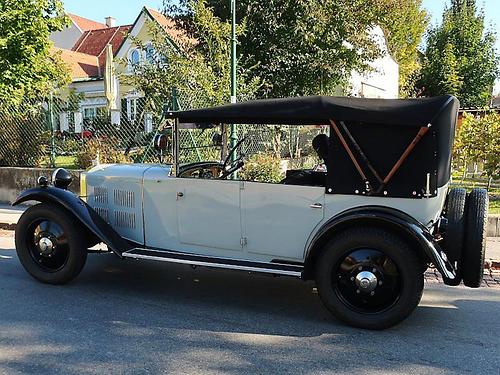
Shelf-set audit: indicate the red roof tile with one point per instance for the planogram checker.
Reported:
(85, 24)
(94, 42)
(178, 35)
(81, 65)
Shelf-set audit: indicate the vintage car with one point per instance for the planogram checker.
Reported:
(365, 229)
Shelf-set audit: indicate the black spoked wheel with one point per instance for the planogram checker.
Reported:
(369, 278)
(49, 245)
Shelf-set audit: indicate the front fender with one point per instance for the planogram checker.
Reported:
(81, 210)
(389, 218)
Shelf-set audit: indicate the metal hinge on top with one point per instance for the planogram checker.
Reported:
(243, 241)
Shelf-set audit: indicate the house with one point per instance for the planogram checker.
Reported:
(67, 38)
(383, 80)
(83, 45)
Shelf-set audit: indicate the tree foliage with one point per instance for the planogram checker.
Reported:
(28, 66)
(196, 63)
(460, 56)
(404, 23)
(478, 141)
(299, 47)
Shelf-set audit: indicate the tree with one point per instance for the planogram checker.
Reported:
(404, 23)
(460, 56)
(29, 67)
(196, 63)
(478, 141)
(298, 47)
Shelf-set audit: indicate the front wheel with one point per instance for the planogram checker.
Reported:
(369, 278)
(49, 244)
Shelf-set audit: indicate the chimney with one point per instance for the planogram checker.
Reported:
(110, 21)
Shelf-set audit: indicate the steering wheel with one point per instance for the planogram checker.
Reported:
(236, 164)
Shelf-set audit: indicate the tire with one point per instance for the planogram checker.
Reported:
(455, 232)
(475, 238)
(49, 244)
(355, 251)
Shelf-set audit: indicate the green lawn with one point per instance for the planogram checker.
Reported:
(494, 207)
(67, 161)
(470, 183)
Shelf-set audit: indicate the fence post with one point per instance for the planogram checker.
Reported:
(52, 129)
(175, 99)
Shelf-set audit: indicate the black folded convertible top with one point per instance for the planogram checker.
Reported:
(318, 110)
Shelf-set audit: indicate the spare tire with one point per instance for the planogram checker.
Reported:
(453, 241)
(475, 237)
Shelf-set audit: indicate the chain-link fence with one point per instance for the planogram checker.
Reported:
(80, 132)
(55, 132)
(290, 143)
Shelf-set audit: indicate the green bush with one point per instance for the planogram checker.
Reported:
(23, 137)
(101, 150)
(262, 168)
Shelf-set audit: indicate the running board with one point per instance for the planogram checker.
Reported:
(206, 261)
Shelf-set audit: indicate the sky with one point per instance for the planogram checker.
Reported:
(126, 11)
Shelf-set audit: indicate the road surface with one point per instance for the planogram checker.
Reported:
(143, 317)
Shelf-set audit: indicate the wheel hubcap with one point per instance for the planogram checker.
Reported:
(367, 281)
(48, 245)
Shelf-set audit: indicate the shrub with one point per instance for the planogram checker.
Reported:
(262, 168)
(22, 137)
(101, 150)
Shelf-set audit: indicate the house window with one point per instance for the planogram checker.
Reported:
(150, 53)
(134, 58)
(132, 108)
(89, 113)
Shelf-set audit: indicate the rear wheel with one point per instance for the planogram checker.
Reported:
(369, 278)
(49, 244)
(454, 236)
(475, 238)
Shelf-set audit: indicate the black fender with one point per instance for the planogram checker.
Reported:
(391, 219)
(82, 212)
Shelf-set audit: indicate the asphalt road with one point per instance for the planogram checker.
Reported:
(145, 317)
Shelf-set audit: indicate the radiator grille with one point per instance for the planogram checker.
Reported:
(103, 212)
(124, 198)
(100, 195)
(124, 219)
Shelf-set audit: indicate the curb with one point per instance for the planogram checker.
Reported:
(493, 227)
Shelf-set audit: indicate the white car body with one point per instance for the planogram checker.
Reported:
(244, 220)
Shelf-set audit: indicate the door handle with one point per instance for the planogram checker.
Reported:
(180, 194)
(316, 205)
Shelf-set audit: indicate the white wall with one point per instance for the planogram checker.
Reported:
(383, 81)
(67, 37)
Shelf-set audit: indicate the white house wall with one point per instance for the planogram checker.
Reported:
(67, 37)
(383, 81)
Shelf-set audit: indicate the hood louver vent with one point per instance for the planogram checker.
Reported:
(124, 198)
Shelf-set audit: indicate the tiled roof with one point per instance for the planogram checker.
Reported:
(94, 42)
(85, 24)
(81, 65)
(169, 26)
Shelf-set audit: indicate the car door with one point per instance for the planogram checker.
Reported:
(208, 213)
(278, 219)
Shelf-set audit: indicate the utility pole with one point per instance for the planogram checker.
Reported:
(233, 139)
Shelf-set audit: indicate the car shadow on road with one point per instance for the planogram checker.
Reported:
(244, 302)
(136, 316)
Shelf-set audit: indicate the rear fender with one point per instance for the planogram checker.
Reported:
(391, 219)
(82, 212)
